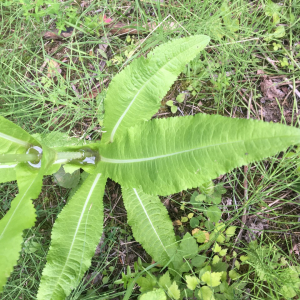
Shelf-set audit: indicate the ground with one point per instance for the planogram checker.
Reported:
(56, 81)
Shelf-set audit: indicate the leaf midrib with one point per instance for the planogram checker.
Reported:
(148, 217)
(14, 140)
(135, 160)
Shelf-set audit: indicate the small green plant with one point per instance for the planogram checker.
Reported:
(271, 274)
(192, 274)
(148, 158)
(64, 13)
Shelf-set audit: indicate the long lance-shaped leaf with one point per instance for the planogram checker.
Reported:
(168, 155)
(150, 223)
(21, 214)
(134, 94)
(14, 139)
(75, 236)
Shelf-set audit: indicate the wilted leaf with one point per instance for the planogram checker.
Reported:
(67, 180)
(269, 89)
(177, 223)
(201, 236)
(53, 68)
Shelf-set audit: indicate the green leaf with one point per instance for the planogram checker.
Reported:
(174, 109)
(214, 213)
(272, 10)
(223, 252)
(200, 198)
(207, 188)
(230, 231)
(134, 94)
(188, 247)
(7, 172)
(180, 98)
(194, 222)
(169, 103)
(216, 248)
(234, 274)
(158, 294)
(14, 139)
(146, 283)
(174, 291)
(150, 223)
(288, 291)
(75, 235)
(198, 261)
(244, 258)
(216, 259)
(165, 280)
(206, 293)
(279, 32)
(21, 214)
(212, 279)
(191, 282)
(230, 23)
(193, 149)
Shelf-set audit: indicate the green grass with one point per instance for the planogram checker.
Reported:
(223, 80)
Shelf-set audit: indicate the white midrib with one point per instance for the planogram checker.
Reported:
(77, 227)
(14, 140)
(132, 101)
(135, 160)
(7, 166)
(148, 217)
